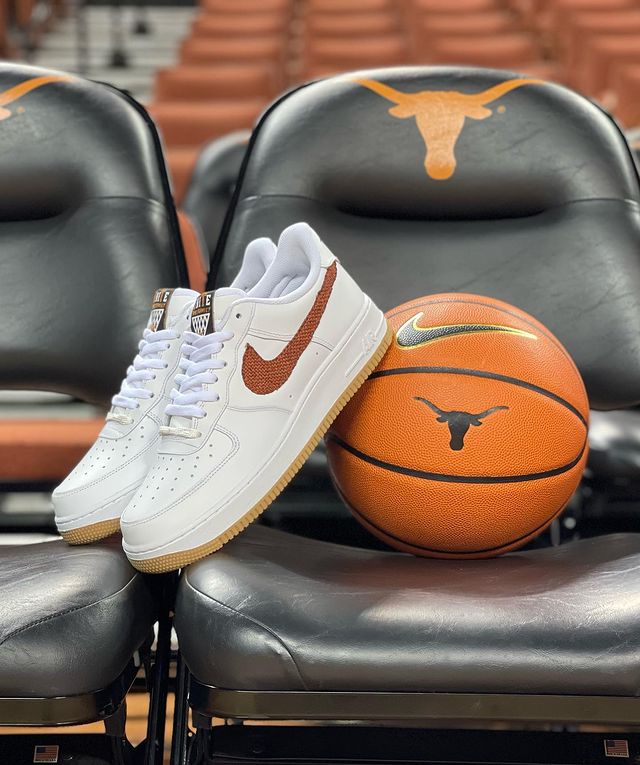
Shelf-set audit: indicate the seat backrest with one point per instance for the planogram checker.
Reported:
(212, 184)
(427, 180)
(88, 231)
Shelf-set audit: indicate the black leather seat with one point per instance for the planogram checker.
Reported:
(71, 618)
(273, 611)
(212, 184)
(88, 231)
(533, 198)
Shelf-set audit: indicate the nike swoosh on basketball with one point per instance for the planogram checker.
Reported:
(410, 335)
(262, 376)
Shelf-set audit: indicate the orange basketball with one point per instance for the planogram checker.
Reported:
(471, 435)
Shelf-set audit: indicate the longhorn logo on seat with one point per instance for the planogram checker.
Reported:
(17, 91)
(440, 116)
(459, 422)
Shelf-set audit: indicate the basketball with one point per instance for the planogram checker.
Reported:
(470, 436)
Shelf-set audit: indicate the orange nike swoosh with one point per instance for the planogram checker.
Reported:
(264, 376)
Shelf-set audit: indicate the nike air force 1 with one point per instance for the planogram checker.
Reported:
(89, 502)
(264, 373)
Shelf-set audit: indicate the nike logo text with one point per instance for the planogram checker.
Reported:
(410, 335)
(262, 376)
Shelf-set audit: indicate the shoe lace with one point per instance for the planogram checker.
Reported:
(141, 371)
(197, 365)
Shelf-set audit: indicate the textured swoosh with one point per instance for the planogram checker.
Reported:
(410, 335)
(264, 376)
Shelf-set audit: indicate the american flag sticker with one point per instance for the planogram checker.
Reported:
(616, 747)
(46, 753)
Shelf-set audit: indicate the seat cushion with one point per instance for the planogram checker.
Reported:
(272, 611)
(70, 617)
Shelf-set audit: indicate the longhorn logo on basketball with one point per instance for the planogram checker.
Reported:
(459, 422)
(440, 116)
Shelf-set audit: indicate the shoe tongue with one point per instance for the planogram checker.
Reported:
(167, 304)
(158, 316)
(210, 304)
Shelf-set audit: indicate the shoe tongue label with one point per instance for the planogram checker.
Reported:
(202, 314)
(158, 315)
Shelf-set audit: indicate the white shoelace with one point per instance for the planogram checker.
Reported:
(198, 365)
(140, 372)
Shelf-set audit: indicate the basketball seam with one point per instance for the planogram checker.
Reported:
(447, 478)
(486, 375)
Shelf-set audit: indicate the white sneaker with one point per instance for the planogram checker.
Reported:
(89, 502)
(265, 374)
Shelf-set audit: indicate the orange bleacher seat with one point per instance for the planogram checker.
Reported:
(237, 50)
(337, 54)
(247, 6)
(625, 83)
(349, 6)
(558, 15)
(350, 24)
(603, 52)
(416, 7)
(238, 25)
(210, 82)
(491, 22)
(194, 251)
(44, 450)
(497, 51)
(193, 124)
(181, 161)
(574, 40)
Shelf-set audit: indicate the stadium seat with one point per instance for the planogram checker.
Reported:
(350, 25)
(212, 184)
(196, 123)
(238, 25)
(215, 83)
(625, 83)
(506, 51)
(537, 204)
(594, 77)
(232, 50)
(88, 233)
(332, 54)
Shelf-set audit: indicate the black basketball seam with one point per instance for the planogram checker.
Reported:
(447, 478)
(486, 375)
(455, 554)
(459, 301)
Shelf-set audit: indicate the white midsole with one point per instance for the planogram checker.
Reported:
(321, 394)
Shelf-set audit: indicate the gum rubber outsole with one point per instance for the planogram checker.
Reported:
(91, 533)
(173, 561)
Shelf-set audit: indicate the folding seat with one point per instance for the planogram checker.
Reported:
(512, 51)
(349, 6)
(216, 82)
(574, 40)
(433, 25)
(542, 210)
(232, 51)
(88, 230)
(336, 54)
(603, 54)
(350, 24)
(625, 83)
(238, 25)
(247, 6)
(196, 123)
(212, 184)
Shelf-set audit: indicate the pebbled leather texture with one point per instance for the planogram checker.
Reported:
(272, 611)
(212, 184)
(541, 210)
(70, 617)
(84, 196)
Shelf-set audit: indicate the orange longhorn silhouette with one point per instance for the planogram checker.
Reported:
(17, 91)
(440, 116)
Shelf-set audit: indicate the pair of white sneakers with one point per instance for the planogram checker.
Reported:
(228, 395)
